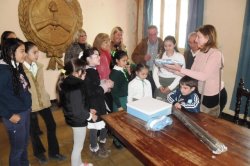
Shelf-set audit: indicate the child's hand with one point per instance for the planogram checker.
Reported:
(15, 118)
(94, 117)
(128, 69)
(92, 111)
(166, 90)
(110, 83)
(120, 109)
(162, 89)
(177, 105)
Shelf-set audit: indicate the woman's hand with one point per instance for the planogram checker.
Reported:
(173, 67)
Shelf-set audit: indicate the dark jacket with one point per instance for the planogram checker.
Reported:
(190, 102)
(95, 93)
(141, 50)
(11, 103)
(73, 101)
(189, 58)
(120, 88)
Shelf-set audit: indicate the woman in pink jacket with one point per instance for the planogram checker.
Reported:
(207, 70)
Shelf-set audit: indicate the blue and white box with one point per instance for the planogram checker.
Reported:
(148, 107)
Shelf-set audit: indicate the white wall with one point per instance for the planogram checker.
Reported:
(227, 16)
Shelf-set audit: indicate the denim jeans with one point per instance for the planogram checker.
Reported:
(18, 137)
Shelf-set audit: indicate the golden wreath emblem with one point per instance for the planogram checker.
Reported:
(50, 24)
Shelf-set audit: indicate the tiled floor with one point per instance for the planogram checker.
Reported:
(117, 158)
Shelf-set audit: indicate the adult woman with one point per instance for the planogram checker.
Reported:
(206, 69)
(79, 45)
(117, 40)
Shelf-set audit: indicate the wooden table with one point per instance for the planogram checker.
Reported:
(176, 145)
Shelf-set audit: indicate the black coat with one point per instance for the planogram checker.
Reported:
(73, 101)
(95, 93)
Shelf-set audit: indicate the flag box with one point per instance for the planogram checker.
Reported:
(148, 107)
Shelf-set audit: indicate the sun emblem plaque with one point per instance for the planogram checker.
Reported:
(50, 24)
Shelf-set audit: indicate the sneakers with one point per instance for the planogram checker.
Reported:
(42, 158)
(57, 157)
(101, 151)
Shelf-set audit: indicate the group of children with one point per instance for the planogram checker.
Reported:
(81, 94)
(22, 83)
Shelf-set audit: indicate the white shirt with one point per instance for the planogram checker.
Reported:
(138, 89)
(161, 72)
(31, 67)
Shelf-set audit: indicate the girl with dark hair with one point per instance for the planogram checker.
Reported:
(15, 100)
(41, 105)
(72, 93)
(6, 35)
(139, 87)
(121, 77)
(95, 95)
(119, 92)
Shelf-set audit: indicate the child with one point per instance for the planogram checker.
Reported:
(186, 96)
(40, 104)
(139, 87)
(166, 81)
(119, 92)
(121, 77)
(95, 95)
(15, 100)
(71, 90)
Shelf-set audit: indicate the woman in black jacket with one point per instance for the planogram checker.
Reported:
(72, 98)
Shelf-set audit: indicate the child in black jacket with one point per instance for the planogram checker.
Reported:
(71, 90)
(95, 95)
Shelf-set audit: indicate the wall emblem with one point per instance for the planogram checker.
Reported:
(50, 24)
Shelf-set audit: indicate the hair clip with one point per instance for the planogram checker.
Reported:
(113, 53)
(63, 71)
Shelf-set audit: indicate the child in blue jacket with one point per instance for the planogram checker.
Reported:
(15, 100)
(185, 96)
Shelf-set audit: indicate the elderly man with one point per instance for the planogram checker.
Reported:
(147, 50)
(192, 51)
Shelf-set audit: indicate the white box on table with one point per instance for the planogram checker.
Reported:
(148, 107)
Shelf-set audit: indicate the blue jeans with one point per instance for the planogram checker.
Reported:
(18, 137)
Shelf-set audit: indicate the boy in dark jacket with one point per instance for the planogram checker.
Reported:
(186, 96)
